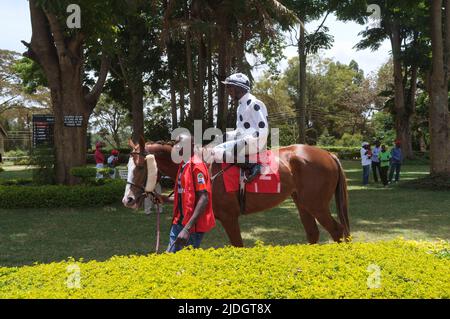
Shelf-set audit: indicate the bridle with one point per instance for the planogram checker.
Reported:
(141, 188)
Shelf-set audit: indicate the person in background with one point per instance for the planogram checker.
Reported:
(396, 162)
(99, 158)
(385, 158)
(376, 162)
(113, 161)
(366, 161)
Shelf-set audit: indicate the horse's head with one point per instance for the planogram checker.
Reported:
(137, 176)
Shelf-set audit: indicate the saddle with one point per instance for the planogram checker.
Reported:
(267, 182)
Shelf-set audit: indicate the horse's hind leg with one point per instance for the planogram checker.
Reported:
(308, 221)
(233, 230)
(335, 229)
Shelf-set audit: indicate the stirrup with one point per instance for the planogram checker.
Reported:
(255, 171)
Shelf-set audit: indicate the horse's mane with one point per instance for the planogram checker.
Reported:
(161, 148)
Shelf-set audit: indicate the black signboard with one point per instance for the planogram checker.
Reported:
(43, 129)
(73, 120)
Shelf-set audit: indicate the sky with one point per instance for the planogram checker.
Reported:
(15, 26)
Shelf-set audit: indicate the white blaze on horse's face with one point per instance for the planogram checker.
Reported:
(129, 198)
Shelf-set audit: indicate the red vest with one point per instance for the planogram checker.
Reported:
(206, 220)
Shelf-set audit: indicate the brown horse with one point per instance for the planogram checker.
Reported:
(309, 175)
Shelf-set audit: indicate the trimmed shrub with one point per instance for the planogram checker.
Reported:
(16, 153)
(44, 158)
(53, 196)
(394, 269)
(344, 153)
(22, 161)
(86, 174)
(17, 182)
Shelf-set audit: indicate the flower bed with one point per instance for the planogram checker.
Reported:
(394, 269)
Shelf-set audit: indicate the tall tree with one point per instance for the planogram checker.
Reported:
(222, 32)
(63, 53)
(137, 65)
(111, 121)
(439, 87)
(401, 22)
(22, 83)
(308, 43)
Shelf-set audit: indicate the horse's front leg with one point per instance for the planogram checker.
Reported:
(232, 228)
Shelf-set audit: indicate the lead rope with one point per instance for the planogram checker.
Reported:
(158, 211)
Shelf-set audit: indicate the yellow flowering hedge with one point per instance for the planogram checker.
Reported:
(394, 269)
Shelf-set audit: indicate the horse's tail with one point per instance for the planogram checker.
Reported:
(341, 196)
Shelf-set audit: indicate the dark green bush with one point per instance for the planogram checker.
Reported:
(56, 196)
(344, 153)
(84, 173)
(22, 161)
(16, 153)
(44, 158)
(17, 182)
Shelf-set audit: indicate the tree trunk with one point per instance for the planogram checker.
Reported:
(199, 97)
(301, 103)
(182, 102)
(401, 114)
(62, 60)
(439, 114)
(173, 95)
(190, 74)
(222, 74)
(137, 111)
(173, 102)
(210, 85)
(70, 142)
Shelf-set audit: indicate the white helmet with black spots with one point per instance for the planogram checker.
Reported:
(238, 79)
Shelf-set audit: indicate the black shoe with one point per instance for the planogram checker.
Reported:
(255, 171)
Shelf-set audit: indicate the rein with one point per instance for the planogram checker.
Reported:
(221, 172)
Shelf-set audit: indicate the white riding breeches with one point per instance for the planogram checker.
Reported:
(236, 150)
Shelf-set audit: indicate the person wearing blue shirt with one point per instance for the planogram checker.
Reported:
(396, 162)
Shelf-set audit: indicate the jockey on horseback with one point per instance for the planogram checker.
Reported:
(252, 128)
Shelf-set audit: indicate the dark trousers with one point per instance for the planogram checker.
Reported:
(366, 173)
(395, 167)
(376, 167)
(384, 174)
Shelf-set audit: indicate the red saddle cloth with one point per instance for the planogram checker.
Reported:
(267, 182)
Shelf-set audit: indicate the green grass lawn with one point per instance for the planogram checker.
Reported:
(376, 213)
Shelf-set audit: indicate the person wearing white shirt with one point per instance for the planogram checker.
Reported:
(366, 161)
(252, 127)
(376, 165)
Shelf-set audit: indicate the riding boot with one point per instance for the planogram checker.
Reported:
(255, 170)
(252, 170)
